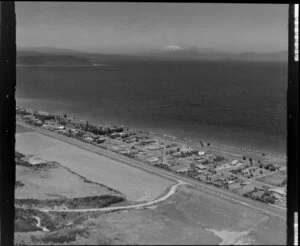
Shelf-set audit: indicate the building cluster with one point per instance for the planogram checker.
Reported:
(83, 131)
(255, 171)
(199, 164)
(267, 195)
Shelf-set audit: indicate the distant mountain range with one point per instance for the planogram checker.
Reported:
(57, 56)
(211, 54)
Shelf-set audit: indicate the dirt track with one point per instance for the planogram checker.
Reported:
(111, 209)
(214, 192)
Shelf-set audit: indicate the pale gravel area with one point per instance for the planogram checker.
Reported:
(134, 183)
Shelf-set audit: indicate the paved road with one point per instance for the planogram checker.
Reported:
(208, 189)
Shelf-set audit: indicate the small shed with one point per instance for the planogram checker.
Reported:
(201, 153)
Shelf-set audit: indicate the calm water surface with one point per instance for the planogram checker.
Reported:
(237, 103)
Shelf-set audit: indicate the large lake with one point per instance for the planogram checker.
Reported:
(237, 103)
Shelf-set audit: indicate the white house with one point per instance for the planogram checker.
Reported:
(201, 153)
(60, 127)
(43, 113)
(88, 139)
(278, 191)
(200, 166)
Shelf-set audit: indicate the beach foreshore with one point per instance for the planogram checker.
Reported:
(233, 169)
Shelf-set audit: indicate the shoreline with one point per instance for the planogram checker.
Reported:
(171, 134)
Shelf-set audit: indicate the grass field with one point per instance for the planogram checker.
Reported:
(20, 129)
(55, 183)
(135, 184)
(274, 179)
(188, 217)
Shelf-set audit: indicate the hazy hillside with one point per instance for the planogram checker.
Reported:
(48, 56)
(211, 54)
(37, 58)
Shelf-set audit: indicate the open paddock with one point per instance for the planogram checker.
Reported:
(55, 182)
(189, 217)
(20, 129)
(245, 188)
(134, 183)
(274, 179)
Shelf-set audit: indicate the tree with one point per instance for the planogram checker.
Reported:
(208, 144)
(269, 199)
(219, 158)
(69, 133)
(244, 158)
(86, 126)
(261, 166)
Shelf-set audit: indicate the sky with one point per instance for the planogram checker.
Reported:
(120, 27)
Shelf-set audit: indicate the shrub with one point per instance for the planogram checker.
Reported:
(284, 182)
(266, 194)
(269, 199)
(219, 158)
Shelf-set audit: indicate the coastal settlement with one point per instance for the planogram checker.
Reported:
(255, 179)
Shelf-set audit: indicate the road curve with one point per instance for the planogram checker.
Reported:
(112, 209)
(205, 188)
